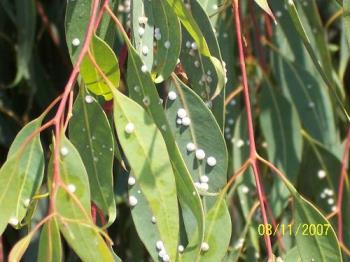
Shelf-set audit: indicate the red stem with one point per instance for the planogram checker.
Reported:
(60, 112)
(252, 146)
(341, 186)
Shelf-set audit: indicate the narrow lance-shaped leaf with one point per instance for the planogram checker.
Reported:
(346, 6)
(90, 132)
(20, 248)
(106, 59)
(206, 74)
(151, 166)
(73, 207)
(281, 127)
(190, 24)
(168, 37)
(25, 19)
(312, 247)
(142, 30)
(50, 246)
(198, 130)
(21, 175)
(76, 21)
(144, 220)
(137, 81)
(142, 89)
(293, 12)
(201, 133)
(265, 6)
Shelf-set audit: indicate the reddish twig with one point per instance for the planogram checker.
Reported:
(343, 174)
(252, 146)
(57, 120)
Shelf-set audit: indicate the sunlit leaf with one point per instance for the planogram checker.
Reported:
(106, 60)
(73, 208)
(151, 166)
(21, 175)
(91, 134)
(50, 246)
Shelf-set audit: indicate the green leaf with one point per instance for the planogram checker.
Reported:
(316, 247)
(142, 90)
(203, 131)
(20, 248)
(311, 101)
(169, 44)
(151, 166)
(73, 208)
(142, 18)
(346, 15)
(76, 21)
(21, 175)
(91, 134)
(50, 246)
(26, 24)
(293, 12)
(108, 63)
(145, 222)
(265, 6)
(217, 231)
(190, 24)
(281, 127)
(292, 255)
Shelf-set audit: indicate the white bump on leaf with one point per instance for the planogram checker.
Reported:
(145, 50)
(141, 31)
(200, 154)
(181, 248)
(71, 188)
(160, 245)
(154, 220)
(13, 221)
(64, 151)
(131, 181)
(89, 99)
(181, 113)
(321, 174)
(204, 246)
(211, 161)
(172, 95)
(190, 147)
(204, 179)
(132, 201)
(186, 121)
(129, 128)
(167, 44)
(26, 202)
(75, 42)
(144, 68)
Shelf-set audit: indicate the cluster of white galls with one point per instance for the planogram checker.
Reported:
(183, 119)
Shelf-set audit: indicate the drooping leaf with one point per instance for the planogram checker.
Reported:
(281, 127)
(50, 246)
(21, 175)
(293, 12)
(73, 208)
(145, 222)
(217, 230)
(168, 40)
(76, 22)
(203, 131)
(190, 24)
(142, 90)
(265, 6)
(151, 166)
(20, 248)
(26, 23)
(206, 74)
(142, 20)
(311, 101)
(91, 134)
(346, 6)
(108, 63)
(318, 247)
